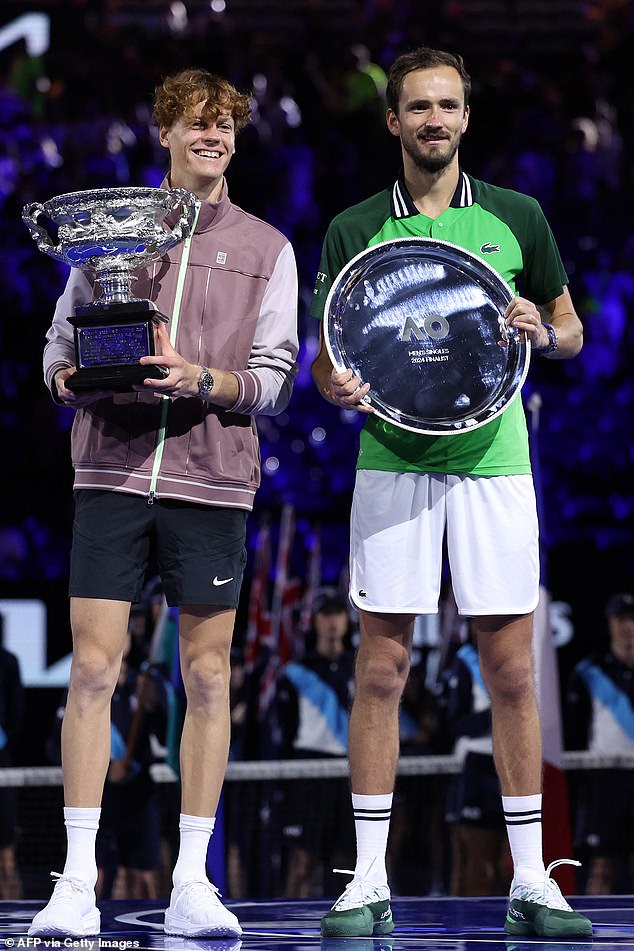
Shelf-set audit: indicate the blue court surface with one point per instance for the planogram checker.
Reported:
(436, 924)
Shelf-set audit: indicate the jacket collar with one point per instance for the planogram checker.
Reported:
(211, 212)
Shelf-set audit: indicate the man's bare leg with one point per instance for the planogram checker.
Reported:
(205, 645)
(99, 631)
(381, 671)
(506, 661)
(382, 668)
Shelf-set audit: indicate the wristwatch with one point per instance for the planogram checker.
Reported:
(205, 383)
(552, 344)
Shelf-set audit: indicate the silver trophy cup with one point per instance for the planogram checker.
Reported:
(422, 321)
(110, 232)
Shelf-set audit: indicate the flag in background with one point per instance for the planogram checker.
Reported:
(284, 607)
(258, 631)
(313, 583)
(555, 809)
(286, 591)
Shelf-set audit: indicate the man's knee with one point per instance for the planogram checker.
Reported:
(206, 680)
(382, 675)
(94, 674)
(99, 636)
(511, 683)
(506, 659)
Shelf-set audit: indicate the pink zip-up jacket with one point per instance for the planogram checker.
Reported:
(236, 310)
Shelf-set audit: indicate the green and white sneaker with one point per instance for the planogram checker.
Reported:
(361, 912)
(540, 909)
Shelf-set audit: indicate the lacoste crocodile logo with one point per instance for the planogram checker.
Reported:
(488, 248)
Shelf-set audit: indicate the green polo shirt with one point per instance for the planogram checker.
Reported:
(509, 232)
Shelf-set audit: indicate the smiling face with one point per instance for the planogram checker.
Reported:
(201, 147)
(431, 118)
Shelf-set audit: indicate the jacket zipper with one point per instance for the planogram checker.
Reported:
(178, 297)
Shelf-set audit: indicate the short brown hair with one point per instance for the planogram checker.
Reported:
(179, 94)
(423, 58)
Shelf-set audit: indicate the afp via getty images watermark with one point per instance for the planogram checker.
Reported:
(86, 944)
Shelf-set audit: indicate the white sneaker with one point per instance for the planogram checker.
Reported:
(71, 911)
(195, 909)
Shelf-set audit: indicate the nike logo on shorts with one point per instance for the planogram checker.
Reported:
(217, 582)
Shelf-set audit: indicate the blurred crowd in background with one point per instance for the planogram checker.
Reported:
(552, 116)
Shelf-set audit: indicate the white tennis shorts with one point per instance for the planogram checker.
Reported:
(398, 521)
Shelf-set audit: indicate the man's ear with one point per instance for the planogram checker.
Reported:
(392, 122)
(163, 132)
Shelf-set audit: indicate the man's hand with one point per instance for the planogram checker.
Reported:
(183, 376)
(349, 392)
(76, 400)
(524, 316)
(344, 389)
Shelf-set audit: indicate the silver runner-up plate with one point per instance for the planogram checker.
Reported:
(422, 321)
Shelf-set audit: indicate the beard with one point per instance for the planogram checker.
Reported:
(431, 163)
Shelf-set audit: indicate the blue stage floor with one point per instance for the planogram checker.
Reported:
(434, 924)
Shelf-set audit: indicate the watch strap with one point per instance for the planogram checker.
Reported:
(553, 342)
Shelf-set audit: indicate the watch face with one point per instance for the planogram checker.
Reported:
(205, 382)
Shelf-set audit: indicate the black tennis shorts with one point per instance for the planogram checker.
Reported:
(200, 549)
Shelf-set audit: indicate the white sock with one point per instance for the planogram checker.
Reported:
(81, 833)
(191, 864)
(523, 817)
(372, 824)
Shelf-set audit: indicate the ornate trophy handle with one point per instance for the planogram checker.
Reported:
(32, 217)
(189, 204)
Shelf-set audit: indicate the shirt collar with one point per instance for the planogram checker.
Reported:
(403, 204)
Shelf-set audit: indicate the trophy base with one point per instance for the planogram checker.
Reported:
(119, 379)
(110, 339)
